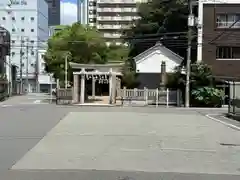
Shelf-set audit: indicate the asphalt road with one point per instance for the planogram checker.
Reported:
(24, 123)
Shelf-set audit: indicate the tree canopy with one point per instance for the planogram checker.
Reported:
(160, 20)
(82, 44)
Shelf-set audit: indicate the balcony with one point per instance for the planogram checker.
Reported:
(91, 7)
(116, 9)
(113, 26)
(92, 15)
(116, 1)
(115, 18)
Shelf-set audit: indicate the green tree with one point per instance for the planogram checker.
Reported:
(203, 89)
(160, 20)
(200, 76)
(117, 53)
(84, 44)
(129, 78)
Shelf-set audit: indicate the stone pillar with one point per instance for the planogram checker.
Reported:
(163, 75)
(110, 86)
(114, 84)
(75, 88)
(82, 97)
(93, 87)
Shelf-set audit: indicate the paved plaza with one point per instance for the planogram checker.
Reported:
(132, 141)
(112, 143)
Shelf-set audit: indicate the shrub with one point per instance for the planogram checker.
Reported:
(207, 96)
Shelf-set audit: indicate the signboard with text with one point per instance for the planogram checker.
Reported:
(18, 2)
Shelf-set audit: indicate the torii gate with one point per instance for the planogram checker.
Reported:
(100, 73)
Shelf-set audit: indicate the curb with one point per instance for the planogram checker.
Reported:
(222, 122)
(233, 116)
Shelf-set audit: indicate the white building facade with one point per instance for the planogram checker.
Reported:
(27, 21)
(45, 80)
(151, 59)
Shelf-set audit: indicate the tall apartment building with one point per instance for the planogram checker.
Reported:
(54, 17)
(110, 17)
(27, 22)
(114, 16)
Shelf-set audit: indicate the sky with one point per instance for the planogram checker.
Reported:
(68, 11)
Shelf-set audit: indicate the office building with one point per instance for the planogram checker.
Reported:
(27, 22)
(4, 50)
(54, 16)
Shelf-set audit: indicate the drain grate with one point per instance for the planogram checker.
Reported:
(229, 144)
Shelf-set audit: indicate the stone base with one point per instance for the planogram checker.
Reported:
(95, 104)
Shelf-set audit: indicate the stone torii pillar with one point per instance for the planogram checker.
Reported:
(75, 88)
(82, 95)
(110, 85)
(114, 84)
(93, 87)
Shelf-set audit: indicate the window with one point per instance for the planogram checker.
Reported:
(13, 53)
(22, 18)
(13, 30)
(32, 41)
(3, 18)
(32, 30)
(22, 30)
(53, 3)
(228, 20)
(32, 53)
(228, 53)
(13, 18)
(32, 18)
(13, 41)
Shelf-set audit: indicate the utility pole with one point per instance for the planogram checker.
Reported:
(66, 70)
(37, 71)
(27, 83)
(191, 23)
(21, 66)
